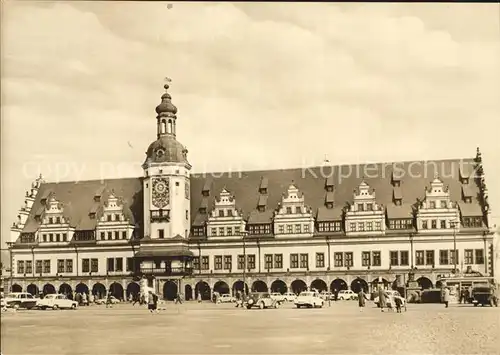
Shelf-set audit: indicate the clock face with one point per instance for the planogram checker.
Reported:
(160, 193)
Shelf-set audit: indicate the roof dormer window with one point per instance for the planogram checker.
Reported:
(263, 185)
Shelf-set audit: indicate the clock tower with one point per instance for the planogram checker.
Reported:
(166, 179)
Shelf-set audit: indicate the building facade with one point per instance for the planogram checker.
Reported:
(325, 227)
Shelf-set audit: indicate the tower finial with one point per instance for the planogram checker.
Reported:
(166, 108)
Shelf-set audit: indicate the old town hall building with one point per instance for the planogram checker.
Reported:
(324, 227)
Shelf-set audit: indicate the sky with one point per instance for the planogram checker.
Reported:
(258, 86)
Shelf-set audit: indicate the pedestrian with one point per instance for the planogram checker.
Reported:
(382, 298)
(335, 295)
(109, 304)
(398, 302)
(238, 299)
(151, 303)
(155, 303)
(199, 296)
(446, 296)
(84, 299)
(362, 298)
(178, 299)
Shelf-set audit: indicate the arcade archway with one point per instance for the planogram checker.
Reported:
(188, 293)
(238, 286)
(99, 290)
(221, 287)
(359, 284)
(204, 289)
(338, 285)
(33, 289)
(49, 289)
(133, 290)
(279, 286)
(170, 290)
(298, 286)
(424, 283)
(116, 290)
(319, 285)
(16, 288)
(66, 289)
(82, 288)
(259, 286)
(376, 283)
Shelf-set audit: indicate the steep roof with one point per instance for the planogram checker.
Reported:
(244, 186)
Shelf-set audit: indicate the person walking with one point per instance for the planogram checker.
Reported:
(151, 302)
(382, 298)
(446, 296)
(362, 298)
(155, 303)
(199, 296)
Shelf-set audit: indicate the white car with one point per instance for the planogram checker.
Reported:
(327, 296)
(20, 300)
(347, 295)
(390, 300)
(289, 296)
(278, 297)
(226, 298)
(309, 299)
(56, 301)
(112, 299)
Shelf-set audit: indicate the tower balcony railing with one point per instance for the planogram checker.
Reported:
(166, 271)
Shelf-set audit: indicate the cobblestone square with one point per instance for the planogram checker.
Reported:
(206, 328)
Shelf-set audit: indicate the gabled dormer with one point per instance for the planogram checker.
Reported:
(364, 215)
(225, 219)
(293, 217)
(263, 185)
(329, 184)
(225, 206)
(262, 203)
(397, 196)
(396, 179)
(467, 193)
(205, 191)
(98, 194)
(203, 209)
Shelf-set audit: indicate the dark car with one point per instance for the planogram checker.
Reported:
(484, 296)
(261, 300)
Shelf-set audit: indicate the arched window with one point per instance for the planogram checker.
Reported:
(170, 126)
(163, 126)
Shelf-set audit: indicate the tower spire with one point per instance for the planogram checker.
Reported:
(166, 113)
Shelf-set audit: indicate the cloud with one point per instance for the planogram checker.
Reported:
(257, 85)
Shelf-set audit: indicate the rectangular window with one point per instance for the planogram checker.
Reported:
(288, 210)
(320, 260)
(38, 267)
(60, 266)
(221, 231)
(378, 226)
(338, 259)
(432, 204)
(369, 206)
(289, 228)
(130, 263)
(205, 262)
(237, 230)
(405, 256)
(69, 265)
(228, 262)
(429, 257)
(161, 233)
(298, 228)
(214, 231)
(298, 209)
(241, 262)
(306, 228)
(349, 259)
(85, 265)
(111, 265)
(218, 262)
(29, 267)
(46, 266)
(58, 237)
(353, 227)
(376, 258)
(117, 235)
(369, 226)
(94, 265)
(361, 226)
(103, 235)
(469, 256)
(119, 264)
(20, 266)
(221, 213)
(44, 237)
(229, 231)
(304, 261)
(281, 229)
(51, 237)
(443, 257)
(229, 213)
(434, 224)
(251, 262)
(443, 204)
(365, 258)
(268, 261)
(479, 256)
(294, 261)
(278, 261)
(443, 224)
(453, 257)
(321, 227)
(361, 207)
(124, 235)
(394, 258)
(419, 257)
(424, 225)
(196, 263)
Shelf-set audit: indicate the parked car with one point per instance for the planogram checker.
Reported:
(390, 300)
(20, 300)
(113, 300)
(226, 298)
(347, 295)
(278, 297)
(289, 296)
(309, 299)
(327, 296)
(261, 300)
(484, 295)
(56, 301)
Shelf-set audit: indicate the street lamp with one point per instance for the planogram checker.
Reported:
(243, 237)
(454, 224)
